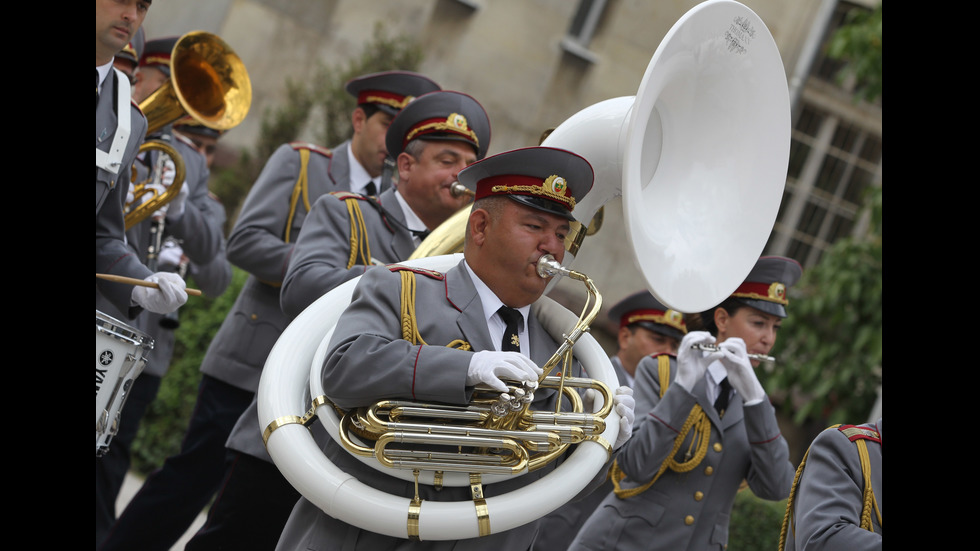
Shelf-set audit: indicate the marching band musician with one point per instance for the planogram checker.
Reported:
(255, 497)
(119, 130)
(646, 327)
(260, 243)
(705, 425)
(836, 499)
(198, 230)
(522, 208)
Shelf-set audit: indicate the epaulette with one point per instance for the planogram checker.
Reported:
(344, 195)
(422, 271)
(312, 147)
(213, 196)
(855, 432)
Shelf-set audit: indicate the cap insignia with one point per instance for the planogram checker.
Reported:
(553, 187)
(454, 123)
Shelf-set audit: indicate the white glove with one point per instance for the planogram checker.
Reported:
(489, 366)
(740, 372)
(169, 257)
(168, 298)
(624, 405)
(691, 363)
(130, 196)
(175, 208)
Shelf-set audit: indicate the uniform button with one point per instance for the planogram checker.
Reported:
(255, 316)
(698, 496)
(689, 520)
(717, 446)
(708, 470)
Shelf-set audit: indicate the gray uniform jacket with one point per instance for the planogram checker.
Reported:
(201, 237)
(559, 528)
(830, 495)
(318, 264)
(258, 245)
(688, 510)
(112, 256)
(369, 361)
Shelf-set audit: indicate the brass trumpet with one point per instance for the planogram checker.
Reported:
(208, 82)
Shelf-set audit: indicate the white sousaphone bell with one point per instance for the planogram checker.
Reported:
(699, 157)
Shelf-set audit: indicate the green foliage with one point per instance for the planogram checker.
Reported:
(166, 419)
(858, 43)
(755, 523)
(832, 342)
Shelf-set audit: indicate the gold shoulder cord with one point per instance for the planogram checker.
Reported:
(301, 189)
(360, 248)
(869, 498)
(410, 328)
(696, 451)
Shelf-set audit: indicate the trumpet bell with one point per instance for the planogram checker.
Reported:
(208, 81)
(699, 155)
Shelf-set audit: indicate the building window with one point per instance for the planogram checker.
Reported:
(583, 27)
(835, 156)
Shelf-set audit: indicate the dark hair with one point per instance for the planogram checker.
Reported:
(369, 109)
(705, 321)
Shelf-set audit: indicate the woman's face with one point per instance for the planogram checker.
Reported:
(757, 328)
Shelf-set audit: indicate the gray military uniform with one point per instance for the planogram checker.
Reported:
(257, 245)
(112, 255)
(318, 264)
(689, 510)
(371, 328)
(830, 495)
(558, 528)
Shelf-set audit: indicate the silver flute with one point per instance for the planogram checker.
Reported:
(714, 348)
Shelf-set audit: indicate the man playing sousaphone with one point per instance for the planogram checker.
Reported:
(472, 326)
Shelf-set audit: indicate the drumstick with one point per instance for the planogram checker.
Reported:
(141, 283)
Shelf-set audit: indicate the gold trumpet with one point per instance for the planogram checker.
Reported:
(208, 82)
(496, 433)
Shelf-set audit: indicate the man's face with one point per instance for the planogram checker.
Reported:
(425, 183)
(116, 21)
(368, 142)
(513, 242)
(148, 80)
(636, 342)
(207, 145)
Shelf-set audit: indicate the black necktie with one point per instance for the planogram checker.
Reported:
(511, 341)
(370, 189)
(721, 403)
(422, 234)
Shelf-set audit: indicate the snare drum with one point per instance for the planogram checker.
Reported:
(120, 354)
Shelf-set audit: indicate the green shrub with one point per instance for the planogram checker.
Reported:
(755, 523)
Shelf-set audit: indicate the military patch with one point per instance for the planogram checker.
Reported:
(312, 147)
(421, 271)
(854, 432)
